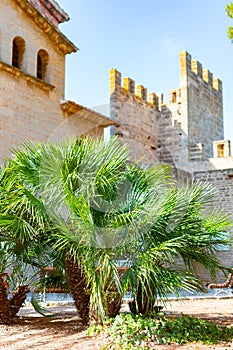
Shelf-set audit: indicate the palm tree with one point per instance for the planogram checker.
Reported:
(29, 204)
(184, 236)
(82, 184)
(23, 247)
(112, 210)
(12, 281)
(93, 209)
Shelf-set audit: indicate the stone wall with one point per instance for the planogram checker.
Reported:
(202, 112)
(170, 138)
(221, 177)
(219, 172)
(29, 107)
(32, 105)
(135, 116)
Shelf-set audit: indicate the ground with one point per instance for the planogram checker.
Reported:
(63, 331)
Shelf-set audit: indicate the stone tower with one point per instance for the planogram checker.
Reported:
(198, 107)
(176, 132)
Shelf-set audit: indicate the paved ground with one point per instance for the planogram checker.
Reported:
(63, 331)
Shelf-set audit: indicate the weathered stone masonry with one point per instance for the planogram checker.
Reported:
(201, 114)
(135, 116)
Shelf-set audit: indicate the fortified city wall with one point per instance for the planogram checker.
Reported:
(135, 116)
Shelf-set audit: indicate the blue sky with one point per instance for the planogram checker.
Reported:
(142, 39)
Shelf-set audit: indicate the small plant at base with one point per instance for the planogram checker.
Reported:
(128, 331)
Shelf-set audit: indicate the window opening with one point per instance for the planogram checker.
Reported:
(221, 150)
(39, 68)
(18, 48)
(42, 64)
(15, 55)
(174, 97)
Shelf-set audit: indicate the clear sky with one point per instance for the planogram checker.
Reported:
(142, 39)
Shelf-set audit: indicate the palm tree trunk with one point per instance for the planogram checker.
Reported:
(113, 302)
(18, 298)
(142, 303)
(113, 297)
(5, 315)
(78, 288)
(10, 307)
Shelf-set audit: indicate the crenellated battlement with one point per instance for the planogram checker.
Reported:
(115, 80)
(140, 93)
(189, 66)
(129, 84)
(207, 76)
(196, 67)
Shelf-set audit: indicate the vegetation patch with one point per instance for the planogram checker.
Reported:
(127, 331)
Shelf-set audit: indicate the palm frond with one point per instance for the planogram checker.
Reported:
(38, 305)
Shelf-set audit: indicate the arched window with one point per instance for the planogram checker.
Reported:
(18, 48)
(15, 55)
(39, 67)
(42, 65)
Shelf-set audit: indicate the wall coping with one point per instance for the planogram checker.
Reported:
(69, 108)
(50, 30)
(52, 10)
(19, 73)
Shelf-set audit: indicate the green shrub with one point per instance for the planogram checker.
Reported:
(129, 331)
